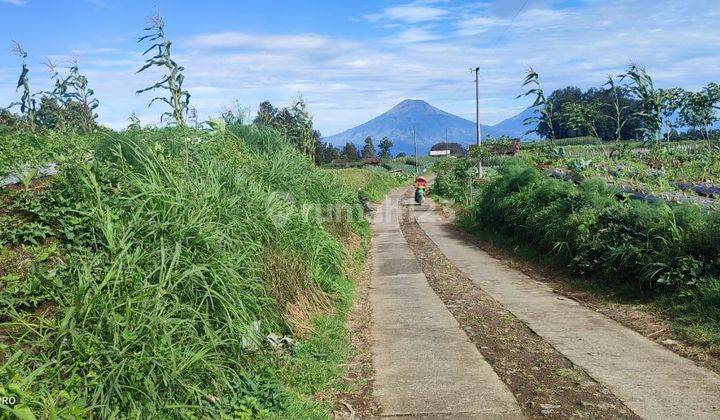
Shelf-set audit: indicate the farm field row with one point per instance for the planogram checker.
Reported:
(686, 170)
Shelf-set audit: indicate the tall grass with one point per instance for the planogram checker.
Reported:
(171, 276)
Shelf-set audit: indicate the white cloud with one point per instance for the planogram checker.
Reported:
(426, 55)
(415, 35)
(410, 13)
(234, 39)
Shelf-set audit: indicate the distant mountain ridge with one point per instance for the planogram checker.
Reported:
(431, 126)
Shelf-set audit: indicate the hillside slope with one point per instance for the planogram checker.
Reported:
(431, 125)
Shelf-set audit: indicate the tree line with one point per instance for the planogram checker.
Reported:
(627, 106)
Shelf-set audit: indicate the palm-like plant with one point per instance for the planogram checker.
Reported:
(543, 107)
(179, 99)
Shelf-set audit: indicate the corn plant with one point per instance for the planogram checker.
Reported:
(651, 101)
(27, 102)
(134, 122)
(619, 112)
(179, 99)
(303, 128)
(543, 106)
(72, 91)
(582, 116)
(82, 94)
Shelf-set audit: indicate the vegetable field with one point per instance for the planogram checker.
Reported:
(638, 219)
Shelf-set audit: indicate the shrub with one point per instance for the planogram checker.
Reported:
(454, 176)
(648, 245)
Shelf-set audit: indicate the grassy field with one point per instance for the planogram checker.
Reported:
(178, 273)
(664, 251)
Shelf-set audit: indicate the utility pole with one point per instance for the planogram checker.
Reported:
(478, 131)
(415, 148)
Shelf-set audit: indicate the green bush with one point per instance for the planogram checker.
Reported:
(652, 246)
(453, 179)
(21, 148)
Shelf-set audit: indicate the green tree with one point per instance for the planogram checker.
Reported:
(699, 112)
(295, 122)
(9, 121)
(368, 150)
(179, 99)
(266, 114)
(324, 152)
(52, 115)
(350, 152)
(331, 153)
(672, 100)
(385, 145)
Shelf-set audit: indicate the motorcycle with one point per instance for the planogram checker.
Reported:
(419, 195)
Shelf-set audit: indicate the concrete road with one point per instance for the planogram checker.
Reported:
(426, 367)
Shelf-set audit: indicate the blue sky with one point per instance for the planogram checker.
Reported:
(352, 60)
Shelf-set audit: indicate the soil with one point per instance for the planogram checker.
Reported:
(38, 184)
(545, 383)
(640, 317)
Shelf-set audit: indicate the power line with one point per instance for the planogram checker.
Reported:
(507, 28)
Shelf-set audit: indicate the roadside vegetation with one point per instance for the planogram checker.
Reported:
(636, 216)
(201, 269)
(180, 272)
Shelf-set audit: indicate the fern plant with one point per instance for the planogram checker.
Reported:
(179, 99)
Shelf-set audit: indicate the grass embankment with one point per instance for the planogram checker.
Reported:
(152, 279)
(373, 184)
(666, 252)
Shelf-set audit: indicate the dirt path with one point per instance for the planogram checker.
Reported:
(425, 365)
(648, 378)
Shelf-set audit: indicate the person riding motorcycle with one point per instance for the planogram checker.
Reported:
(420, 186)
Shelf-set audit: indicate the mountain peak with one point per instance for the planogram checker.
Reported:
(416, 120)
(412, 105)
